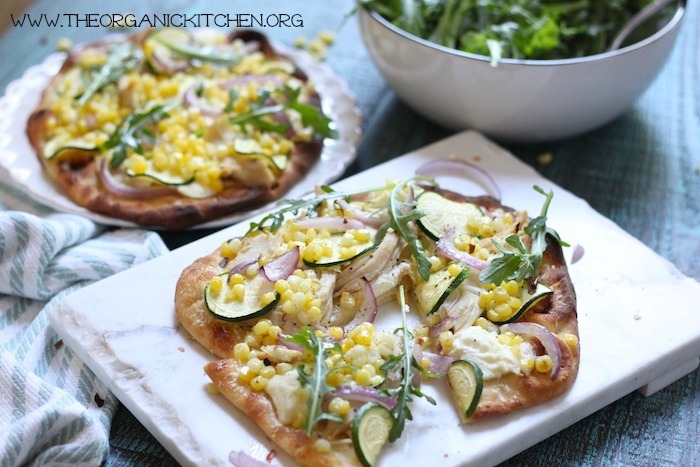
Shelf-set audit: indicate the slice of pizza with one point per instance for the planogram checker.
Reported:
(499, 307)
(172, 128)
(290, 306)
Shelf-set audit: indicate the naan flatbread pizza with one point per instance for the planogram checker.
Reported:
(289, 310)
(171, 128)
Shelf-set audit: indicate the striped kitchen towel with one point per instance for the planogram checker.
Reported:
(53, 410)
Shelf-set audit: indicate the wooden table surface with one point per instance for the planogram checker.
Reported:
(642, 171)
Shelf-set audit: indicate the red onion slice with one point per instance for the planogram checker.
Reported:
(240, 267)
(577, 254)
(459, 167)
(190, 99)
(334, 224)
(548, 340)
(290, 345)
(368, 311)
(363, 394)
(369, 219)
(243, 459)
(445, 246)
(438, 363)
(281, 267)
(115, 186)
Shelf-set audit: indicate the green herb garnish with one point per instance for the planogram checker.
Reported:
(204, 54)
(315, 378)
(310, 115)
(121, 59)
(132, 131)
(401, 214)
(273, 221)
(519, 264)
(404, 363)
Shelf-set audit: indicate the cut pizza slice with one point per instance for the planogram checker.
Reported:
(514, 344)
(325, 398)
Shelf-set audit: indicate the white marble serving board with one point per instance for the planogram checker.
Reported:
(124, 328)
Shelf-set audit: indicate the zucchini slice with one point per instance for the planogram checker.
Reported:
(466, 382)
(159, 56)
(431, 294)
(529, 300)
(370, 431)
(441, 214)
(76, 149)
(239, 310)
(164, 178)
(338, 255)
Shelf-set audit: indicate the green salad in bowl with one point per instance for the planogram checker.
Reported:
(518, 29)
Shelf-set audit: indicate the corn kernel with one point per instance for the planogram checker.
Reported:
(335, 332)
(527, 364)
(446, 340)
(362, 377)
(245, 375)
(283, 367)
(454, 269)
(258, 383)
(543, 363)
(274, 331)
(512, 287)
(268, 372)
(339, 406)
(570, 339)
(255, 365)
(212, 389)
(241, 351)
(334, 379)
(505, 338)
(322, 446)
(482, 322)
(267, 298)
(236, 279)
(262, 327)
(215, 285)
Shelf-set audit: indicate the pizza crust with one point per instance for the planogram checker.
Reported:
(257, 406)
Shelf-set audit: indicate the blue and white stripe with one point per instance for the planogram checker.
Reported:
(48, 413)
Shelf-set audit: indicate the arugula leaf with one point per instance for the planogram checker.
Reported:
(131, 131)
(310, 115)
(403, 394)
(519, 264)
(121, 59)
(401, 214)
(273, 221)
(315, 378)
(521, 29)
(206, 54)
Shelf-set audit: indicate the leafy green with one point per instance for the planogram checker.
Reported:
(132, 131)
(314, 378)
(518, 263)
(274, 220)
(311, 116)
(403, 362)
(401, 215)
(521, 29)
(204, 54)
(121, 59)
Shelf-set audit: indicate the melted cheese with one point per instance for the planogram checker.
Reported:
(287, 395)
(482, 347)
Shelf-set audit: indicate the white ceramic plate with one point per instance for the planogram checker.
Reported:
(22, 96)
(124, 328)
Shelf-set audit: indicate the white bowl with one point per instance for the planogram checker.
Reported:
(518, 100)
